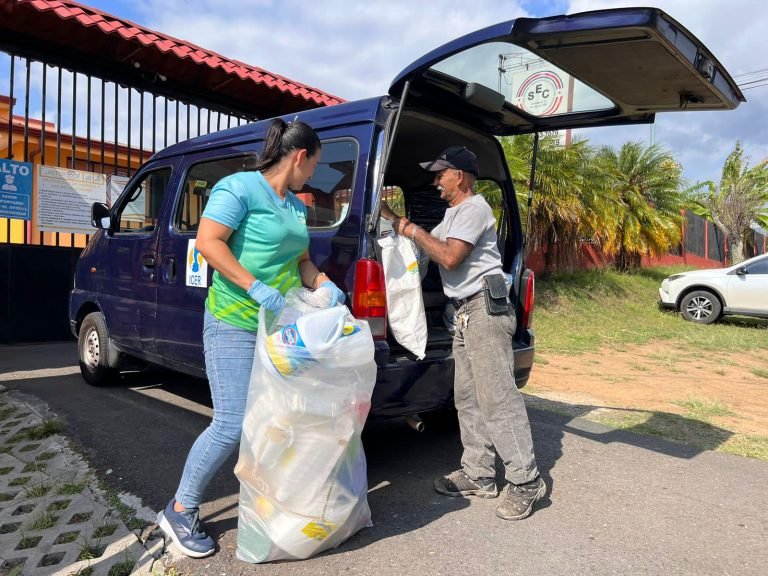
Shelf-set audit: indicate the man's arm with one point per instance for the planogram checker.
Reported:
(448, 254)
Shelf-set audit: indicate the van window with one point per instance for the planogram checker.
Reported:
(200, 179)
(527, 81)
(328, 194)
(140, 212)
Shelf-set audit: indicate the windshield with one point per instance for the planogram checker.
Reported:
(527, 81)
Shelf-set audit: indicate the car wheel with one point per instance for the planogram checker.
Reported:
(700, 306)
(93, 351)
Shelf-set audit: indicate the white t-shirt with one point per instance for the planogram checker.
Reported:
(471, 221)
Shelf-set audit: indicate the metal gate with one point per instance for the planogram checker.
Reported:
(54, 116)
(83, 90)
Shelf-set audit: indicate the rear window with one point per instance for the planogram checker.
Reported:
(328, 194)
(526, 80)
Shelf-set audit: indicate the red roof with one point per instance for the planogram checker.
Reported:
(111, 41)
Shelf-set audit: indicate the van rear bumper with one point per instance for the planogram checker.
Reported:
(407, 386)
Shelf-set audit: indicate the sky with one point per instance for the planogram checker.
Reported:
(354, 49)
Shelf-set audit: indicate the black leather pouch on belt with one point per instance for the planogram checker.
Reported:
(496, 295)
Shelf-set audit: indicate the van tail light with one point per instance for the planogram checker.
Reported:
(528, 302)
(370, 298)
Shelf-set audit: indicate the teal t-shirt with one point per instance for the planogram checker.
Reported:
(269, 236)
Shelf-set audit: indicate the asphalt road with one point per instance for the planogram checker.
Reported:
(618, 503)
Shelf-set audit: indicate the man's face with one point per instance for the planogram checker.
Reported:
(447, 182)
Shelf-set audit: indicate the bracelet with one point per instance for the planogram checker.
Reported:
(413, 234)
(314, 280)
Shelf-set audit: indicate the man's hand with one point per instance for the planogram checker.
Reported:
(386, 212)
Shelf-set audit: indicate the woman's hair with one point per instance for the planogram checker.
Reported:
(284, 138)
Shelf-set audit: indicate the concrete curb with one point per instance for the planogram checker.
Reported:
(54, 517)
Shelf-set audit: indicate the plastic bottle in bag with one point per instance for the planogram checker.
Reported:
(292, 347)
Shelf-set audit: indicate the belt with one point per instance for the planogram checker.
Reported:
(459, 302)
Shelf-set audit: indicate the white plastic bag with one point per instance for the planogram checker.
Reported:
(405, 304)
(302, 471)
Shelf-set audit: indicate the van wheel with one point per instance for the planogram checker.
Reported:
(93, 351)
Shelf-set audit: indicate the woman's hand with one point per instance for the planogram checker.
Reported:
(337, 296)
(266, 296)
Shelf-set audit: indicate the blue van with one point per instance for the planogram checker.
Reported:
(140, 284)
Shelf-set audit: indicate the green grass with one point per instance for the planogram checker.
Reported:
(760, 373)
(37, 490)
(42, 521)
(71, 489)
(749, 445)
(605, 311)
(587, 310)
(122, 569)
(704, 410)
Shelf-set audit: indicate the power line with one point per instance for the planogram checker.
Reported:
(745, 74)
(758, 81)
(753, 87)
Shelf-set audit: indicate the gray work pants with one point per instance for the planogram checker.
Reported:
(492, 412)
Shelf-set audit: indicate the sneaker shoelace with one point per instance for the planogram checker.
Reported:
(194, 523)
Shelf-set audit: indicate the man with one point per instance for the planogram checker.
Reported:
(492, 414)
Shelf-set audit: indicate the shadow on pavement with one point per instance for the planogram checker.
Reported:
(663, 432)
(138, 432)
(27, 357)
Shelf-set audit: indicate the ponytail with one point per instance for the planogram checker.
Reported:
(282, 139)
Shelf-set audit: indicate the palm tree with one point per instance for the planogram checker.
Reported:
(558, 211)
(740, 200)
(642, 186)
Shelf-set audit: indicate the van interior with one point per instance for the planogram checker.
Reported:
(420, 137)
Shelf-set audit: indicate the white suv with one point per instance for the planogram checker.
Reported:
(705, 295)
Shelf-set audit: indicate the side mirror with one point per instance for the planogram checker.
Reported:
(100, 216)
(741, 270)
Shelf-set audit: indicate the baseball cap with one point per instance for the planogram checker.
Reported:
(456, 157)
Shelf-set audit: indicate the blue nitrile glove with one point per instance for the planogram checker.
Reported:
(337, 296)
(266, 296)
(510, 280)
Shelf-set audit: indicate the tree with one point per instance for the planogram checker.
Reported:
(557, 212)
(641, 185)
(740, 200)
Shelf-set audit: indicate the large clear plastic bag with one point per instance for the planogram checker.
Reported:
(302, 470)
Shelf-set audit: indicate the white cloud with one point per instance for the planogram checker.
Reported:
(354, 49)
(702, 140)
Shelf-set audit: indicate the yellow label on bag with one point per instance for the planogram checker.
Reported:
(319, 530)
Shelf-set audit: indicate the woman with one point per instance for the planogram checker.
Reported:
(253, 233)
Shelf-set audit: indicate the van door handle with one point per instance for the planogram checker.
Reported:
(171, 270)
(149, 261)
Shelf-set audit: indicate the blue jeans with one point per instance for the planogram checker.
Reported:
(229, 353)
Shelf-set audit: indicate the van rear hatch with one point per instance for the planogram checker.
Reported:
(600, 68)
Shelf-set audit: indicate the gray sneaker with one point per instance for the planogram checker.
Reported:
(459, 484)
(519, 500)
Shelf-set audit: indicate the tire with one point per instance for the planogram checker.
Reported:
(700, 306)
(93, 351)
